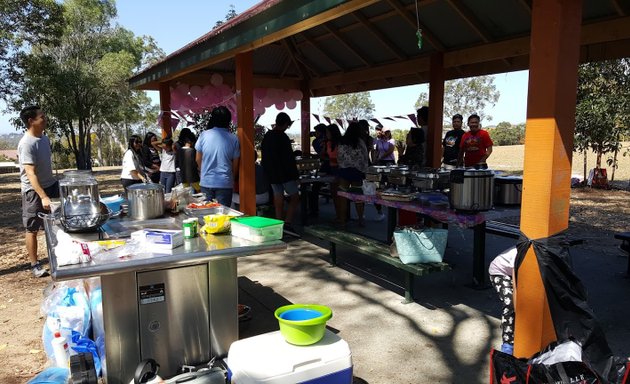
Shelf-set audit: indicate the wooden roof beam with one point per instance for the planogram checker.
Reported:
(317, 48)
(621, 9)
(473, 22)
(428, 35)
(527, 6)
(349, 47)
(465, 13)
(288, 45)
(380, 36)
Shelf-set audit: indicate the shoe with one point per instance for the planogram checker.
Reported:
(38, 270)
(289, 230)
(379, 217)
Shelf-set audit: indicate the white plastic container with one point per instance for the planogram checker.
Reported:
(257, 229)
(60, 351)
(269, 359)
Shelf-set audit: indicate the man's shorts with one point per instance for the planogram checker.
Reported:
(290, 187)
(32, 205)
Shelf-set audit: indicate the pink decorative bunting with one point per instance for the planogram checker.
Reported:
(412, 117)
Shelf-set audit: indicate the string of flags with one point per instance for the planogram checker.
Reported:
(178, 117)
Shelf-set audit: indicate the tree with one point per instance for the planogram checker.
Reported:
(82, 81)
(349, 106)
(507, 134)
(231, 13)
(24, 23)
(603, 107)
(466, 96)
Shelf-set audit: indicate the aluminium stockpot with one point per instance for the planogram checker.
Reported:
(146, 201)
(508, 190)
(471, 189)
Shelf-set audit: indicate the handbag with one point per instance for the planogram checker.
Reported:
(421, 245)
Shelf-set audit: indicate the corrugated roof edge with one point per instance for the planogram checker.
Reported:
(247, 14)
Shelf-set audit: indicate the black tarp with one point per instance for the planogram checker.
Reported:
(567, 299)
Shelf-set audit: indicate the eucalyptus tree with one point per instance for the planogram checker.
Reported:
(81, 82)
(603, 108)
(24, 23)
(349, 106)
(466, 96)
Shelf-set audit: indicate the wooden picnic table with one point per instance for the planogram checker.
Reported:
(475, 220)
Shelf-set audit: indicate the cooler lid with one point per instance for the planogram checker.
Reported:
(263, 357)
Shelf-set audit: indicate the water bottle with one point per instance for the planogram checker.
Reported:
(60, 350)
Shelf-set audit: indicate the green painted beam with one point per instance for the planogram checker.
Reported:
(280, 16)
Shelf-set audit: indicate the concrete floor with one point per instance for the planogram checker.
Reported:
(445, 336)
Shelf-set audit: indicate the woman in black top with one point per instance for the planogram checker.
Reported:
(414, 150)
(151, 156)
(185, 159)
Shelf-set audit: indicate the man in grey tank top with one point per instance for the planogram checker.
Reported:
(37, 182)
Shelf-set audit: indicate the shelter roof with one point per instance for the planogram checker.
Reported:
(340, 46)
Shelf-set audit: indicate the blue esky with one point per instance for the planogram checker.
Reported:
(175, 24)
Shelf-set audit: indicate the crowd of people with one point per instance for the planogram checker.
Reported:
(210, 162)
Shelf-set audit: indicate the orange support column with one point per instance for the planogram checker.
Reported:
(436, 110)
(165, 108)
(245, 111)
(305, 113)
(554, 54)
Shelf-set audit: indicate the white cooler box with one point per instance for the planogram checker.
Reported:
(269, 359)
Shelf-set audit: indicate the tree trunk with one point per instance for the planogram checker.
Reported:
(585, 165)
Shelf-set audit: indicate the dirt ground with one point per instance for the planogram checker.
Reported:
(595, 214)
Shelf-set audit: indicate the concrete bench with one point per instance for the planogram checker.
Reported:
(625, 245)
(376, 250)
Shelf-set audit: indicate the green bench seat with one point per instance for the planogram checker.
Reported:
(374, 249)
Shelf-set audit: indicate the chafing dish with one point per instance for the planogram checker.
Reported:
(375, 177)
(305, 164)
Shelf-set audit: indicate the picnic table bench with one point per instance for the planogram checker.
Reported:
(625, 246)
(374, 249)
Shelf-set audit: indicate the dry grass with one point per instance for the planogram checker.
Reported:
(510, 158)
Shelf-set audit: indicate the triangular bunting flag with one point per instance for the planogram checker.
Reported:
(412, 117)
(327, 119)
(316, 117)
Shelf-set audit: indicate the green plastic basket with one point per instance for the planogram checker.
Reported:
(303, 332)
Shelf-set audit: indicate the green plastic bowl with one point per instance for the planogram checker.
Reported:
(303, 324)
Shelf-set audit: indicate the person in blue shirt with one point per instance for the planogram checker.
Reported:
(218, 154)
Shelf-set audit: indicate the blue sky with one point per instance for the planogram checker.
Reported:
(186, 20)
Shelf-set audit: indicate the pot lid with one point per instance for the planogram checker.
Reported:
(146, 187)
(473, 172)
(509, 179)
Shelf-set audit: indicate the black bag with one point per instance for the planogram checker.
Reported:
(507, 369)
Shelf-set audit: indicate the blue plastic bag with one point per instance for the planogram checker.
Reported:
(84, 344)
(52, 375)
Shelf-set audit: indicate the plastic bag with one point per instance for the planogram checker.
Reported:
(84, 344)
(66, 309)
(420, 246)
(51, 375)
(506, 368)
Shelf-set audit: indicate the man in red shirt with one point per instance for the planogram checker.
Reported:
(476, 145)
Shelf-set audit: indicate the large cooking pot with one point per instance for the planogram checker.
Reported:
(146, 201)
(471, 189)
(508, 190)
